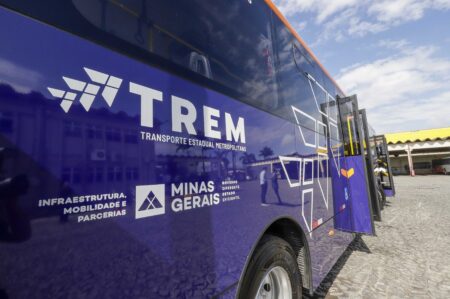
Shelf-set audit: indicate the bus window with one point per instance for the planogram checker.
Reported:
(187, 37)
(197, 36)
(297, 75)
(350, 133)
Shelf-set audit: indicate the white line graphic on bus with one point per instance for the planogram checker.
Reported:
(309, 129)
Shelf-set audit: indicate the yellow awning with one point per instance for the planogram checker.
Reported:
(418, 136)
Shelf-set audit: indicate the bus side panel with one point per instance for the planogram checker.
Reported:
(359, 197)
(328, 244)
(109, 199)
(341, 196)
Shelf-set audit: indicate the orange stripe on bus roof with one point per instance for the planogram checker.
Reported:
(292, 30)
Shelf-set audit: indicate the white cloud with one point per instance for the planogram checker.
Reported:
(323, 9)
(288, 140)
(292, 7)
(20, 78)
(340, 19)
(401, 44)
(403, 91)
(328, 8)
(398, 11)
(442, 4)
(334, 29)
(359, 28)
(414, 114)
(299, 26)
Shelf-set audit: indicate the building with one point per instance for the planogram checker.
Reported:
(418, 152)
(91, 153)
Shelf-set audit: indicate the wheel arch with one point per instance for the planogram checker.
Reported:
(288, 229)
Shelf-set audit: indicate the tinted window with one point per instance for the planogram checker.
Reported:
(236, 47)
(422, 165)
(229, 42)
(293, 83)
(441, 162)
(300, 85)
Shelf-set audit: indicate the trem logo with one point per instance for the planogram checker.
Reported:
(150, 200)
(89, 91)
(184, 112)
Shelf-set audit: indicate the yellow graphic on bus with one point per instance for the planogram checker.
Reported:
(348, 173)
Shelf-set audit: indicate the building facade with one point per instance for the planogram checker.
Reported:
(418, 152)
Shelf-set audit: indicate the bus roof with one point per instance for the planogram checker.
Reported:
(302, 42)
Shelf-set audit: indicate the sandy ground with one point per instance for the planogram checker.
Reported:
(410, 257)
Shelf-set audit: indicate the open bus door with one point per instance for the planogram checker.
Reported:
(370, 155)
(359, 217)
(385, 177)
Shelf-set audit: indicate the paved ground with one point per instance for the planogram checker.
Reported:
(410, 258)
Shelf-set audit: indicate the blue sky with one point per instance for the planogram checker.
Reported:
(394, 54)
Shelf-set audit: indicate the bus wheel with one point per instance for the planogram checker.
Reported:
(272, 272)
(380, 199)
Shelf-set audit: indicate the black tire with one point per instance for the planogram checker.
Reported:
(381, 197)
(271, 252)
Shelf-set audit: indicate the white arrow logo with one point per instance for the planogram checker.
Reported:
(88, 91)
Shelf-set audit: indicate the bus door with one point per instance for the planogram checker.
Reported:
(354, 168)
(383, 162)
(369, 151)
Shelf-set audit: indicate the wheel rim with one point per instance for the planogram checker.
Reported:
(275, 284)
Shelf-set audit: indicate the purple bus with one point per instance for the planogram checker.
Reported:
(171, 149)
